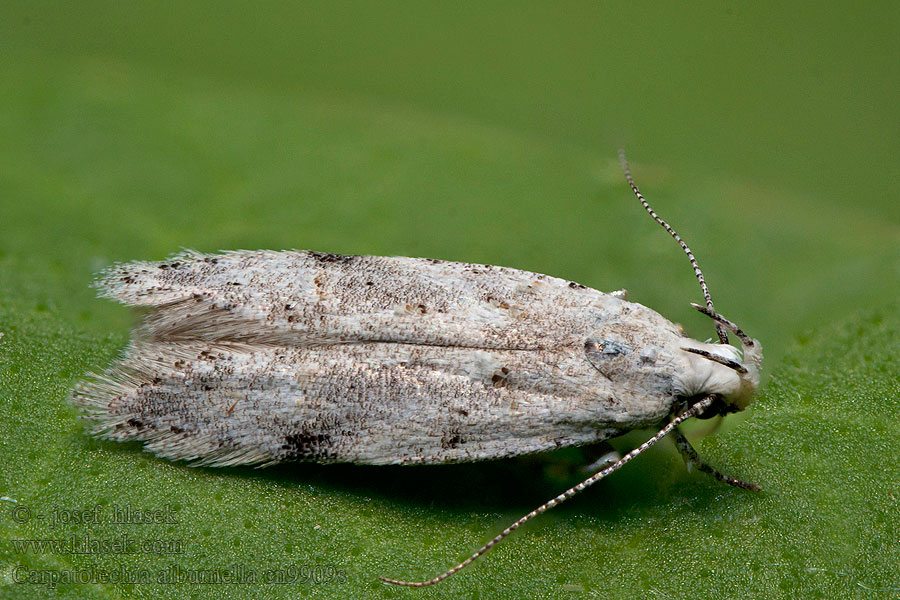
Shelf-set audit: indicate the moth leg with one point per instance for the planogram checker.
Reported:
(692, 459)
(601, 455)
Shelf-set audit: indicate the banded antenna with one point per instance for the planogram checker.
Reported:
(720, 330)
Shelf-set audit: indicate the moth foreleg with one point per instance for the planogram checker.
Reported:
(692, 459)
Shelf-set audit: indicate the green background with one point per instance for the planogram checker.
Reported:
(766, 134)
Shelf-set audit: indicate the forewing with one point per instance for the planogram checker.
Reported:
(228, 404)
(302, 298)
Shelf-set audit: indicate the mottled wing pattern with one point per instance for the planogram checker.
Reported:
(311, 297)
(260, 357)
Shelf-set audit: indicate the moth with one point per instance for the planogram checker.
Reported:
(254, 358)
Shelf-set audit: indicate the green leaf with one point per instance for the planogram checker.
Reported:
(820, 440)
(125, 138)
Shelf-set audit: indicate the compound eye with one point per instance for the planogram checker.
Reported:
(717, 409)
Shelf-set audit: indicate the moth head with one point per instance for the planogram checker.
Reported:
(730, 373)
(733, 393)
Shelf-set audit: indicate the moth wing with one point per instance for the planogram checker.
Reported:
(303, 297)
(229, 404)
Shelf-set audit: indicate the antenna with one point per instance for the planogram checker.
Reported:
(697, 409)
(720, 330)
